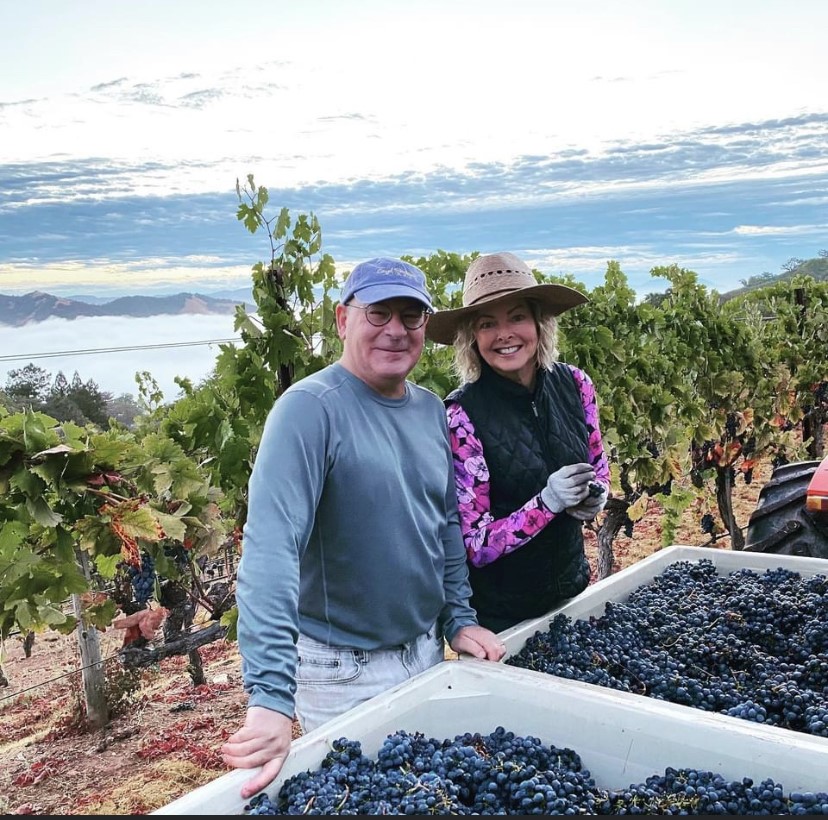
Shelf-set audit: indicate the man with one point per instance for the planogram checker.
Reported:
(353, 568)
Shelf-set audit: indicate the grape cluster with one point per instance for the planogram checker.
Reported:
(502, 773)
(708, 525)
(143, 579)
(704, 454)
(595, 489)
(748, 645)
(177, 553)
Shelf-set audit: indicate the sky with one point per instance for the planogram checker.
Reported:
(570, 133)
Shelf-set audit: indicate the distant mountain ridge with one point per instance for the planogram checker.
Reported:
(237, 296)
(816, 268)
(37, 306)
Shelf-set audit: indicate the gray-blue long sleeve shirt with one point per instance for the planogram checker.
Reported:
(353, 535)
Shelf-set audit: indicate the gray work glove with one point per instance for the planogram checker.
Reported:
(590, 506)
(567, 487)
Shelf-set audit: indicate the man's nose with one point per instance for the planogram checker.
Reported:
(395, 323)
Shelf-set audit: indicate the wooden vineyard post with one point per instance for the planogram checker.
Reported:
(92, 668)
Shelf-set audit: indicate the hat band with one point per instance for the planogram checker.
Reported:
(492, 294)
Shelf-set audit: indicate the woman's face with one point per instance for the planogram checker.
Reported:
(507, 338)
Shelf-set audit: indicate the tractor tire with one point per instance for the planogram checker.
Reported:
(780, 524)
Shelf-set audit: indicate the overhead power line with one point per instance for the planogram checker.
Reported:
(90, 351)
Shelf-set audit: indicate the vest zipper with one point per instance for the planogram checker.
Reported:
(542, 436)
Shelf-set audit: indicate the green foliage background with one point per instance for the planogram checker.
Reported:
(689, 385)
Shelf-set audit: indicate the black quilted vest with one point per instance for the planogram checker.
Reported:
(526, 436)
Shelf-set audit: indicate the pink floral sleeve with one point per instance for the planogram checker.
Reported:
(487, 539)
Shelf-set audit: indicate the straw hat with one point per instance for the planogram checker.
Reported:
(492, 278)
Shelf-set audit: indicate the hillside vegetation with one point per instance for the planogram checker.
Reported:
(816, 268)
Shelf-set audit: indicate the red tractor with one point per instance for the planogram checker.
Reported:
(791, 516)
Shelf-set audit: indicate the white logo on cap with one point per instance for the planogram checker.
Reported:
(400, 271)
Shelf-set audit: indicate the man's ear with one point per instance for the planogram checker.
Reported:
(341, 314)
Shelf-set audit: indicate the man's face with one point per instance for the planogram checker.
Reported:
(382, 355)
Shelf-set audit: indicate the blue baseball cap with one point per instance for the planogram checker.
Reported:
(381, 278)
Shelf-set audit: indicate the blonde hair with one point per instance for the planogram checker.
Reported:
(467, 358)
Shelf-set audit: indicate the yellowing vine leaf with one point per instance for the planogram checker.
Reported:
(636, 510)
(141, 523)
(172, 525)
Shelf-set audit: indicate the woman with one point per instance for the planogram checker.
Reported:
(529, 461)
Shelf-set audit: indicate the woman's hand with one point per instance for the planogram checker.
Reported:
(591, 505)
(567, 487)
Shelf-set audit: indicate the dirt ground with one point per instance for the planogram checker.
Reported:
(165, 742)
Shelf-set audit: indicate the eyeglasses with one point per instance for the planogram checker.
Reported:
(378, 315)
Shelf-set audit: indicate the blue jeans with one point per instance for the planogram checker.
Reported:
(330, 680)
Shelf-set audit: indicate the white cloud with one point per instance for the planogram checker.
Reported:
(342, 95)
(780, 230)
(156, 99)
(102, 276)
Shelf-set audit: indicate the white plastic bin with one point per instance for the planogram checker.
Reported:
(622, 738)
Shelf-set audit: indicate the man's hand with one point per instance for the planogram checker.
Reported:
(590, 506)
(479, 642)
(567, 487)
(264, 741)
